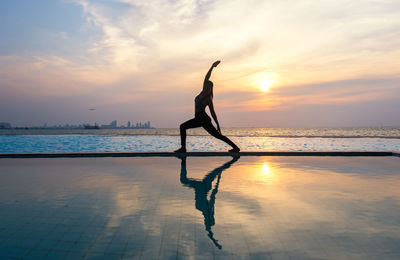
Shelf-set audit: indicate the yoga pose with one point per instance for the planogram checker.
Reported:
(201, 190)
(202, 100)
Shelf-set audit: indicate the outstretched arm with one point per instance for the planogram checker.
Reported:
(208, 75)
(214, 115)
(209, 178)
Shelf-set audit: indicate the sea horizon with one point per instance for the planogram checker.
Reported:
(167, 139)
(329, 132)
(283, 137)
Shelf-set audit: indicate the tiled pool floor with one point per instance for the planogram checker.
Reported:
(200, 208)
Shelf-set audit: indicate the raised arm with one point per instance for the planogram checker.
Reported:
(208, 75)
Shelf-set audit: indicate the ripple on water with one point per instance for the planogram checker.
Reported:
(143, 143)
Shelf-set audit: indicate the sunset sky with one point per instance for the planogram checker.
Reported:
(284, 63)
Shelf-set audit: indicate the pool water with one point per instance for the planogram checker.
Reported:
(200, 207)
(157, 143)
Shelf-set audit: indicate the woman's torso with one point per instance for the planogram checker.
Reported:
(201, 101)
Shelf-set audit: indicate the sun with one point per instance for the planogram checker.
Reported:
(265, 84)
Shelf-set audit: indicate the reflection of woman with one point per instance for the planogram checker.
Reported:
(201, 189)
(202, 100)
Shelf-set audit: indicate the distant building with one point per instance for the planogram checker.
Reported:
(140, 125)
(112, 125)
(5, 125)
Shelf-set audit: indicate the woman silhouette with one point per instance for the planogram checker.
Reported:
(202, 100)
(201, 190)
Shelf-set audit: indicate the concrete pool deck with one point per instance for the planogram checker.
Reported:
(291, 205)
(197, 154)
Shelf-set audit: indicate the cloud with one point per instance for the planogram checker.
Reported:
(160, 50)
(325, 93)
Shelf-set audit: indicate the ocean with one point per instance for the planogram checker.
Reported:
(248, 139)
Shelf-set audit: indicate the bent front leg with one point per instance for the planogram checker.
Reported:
(192, 123)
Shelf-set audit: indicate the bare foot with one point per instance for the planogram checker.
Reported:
(180, 150)
(234, 150)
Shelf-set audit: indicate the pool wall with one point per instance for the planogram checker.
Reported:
(196, 154)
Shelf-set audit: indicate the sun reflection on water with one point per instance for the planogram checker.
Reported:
(265, 167)
(266, 172)
(206, 207)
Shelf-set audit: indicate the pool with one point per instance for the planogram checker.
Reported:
(261, 207)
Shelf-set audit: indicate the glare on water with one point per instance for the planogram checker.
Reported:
(202, 207)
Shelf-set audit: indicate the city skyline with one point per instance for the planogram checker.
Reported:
(112, 125)
(284, 64)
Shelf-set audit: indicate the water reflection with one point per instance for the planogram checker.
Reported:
(142, 208)
(201, 189)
